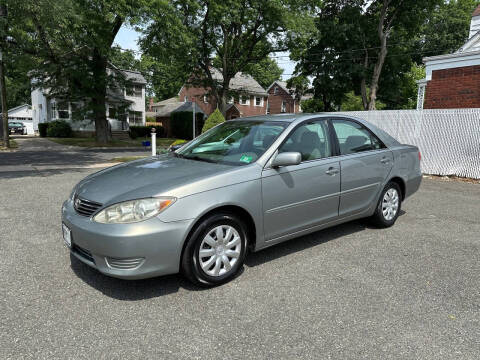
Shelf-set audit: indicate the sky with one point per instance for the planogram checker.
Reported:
(127, 39)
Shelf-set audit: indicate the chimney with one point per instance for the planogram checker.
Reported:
(150, 104)
(475, 23)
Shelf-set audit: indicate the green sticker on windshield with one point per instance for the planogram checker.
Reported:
(246, 159)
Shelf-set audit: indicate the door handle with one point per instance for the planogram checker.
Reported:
(332, 171)
(385, 160)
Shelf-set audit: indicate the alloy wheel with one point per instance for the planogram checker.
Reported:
(390, 204)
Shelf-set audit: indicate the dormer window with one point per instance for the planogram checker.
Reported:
(275, 90)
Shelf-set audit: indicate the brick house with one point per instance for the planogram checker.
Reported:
(453, 80)
(250, 99)
(281, 99)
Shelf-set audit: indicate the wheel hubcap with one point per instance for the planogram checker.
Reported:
(220, 250)
(390, 204)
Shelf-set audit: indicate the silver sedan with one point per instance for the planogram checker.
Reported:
(200, 209)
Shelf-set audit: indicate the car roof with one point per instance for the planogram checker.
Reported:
(297, 118)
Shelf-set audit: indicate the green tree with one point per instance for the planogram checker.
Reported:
(354, 41)
(124, 59)
(191, 33)
(73, 40)
(265, 71)
(214, 119)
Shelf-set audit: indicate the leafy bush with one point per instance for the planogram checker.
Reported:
(59, 128)
(181, 124)
(214, 119)
(42, 129)
(143, 131)
(178, 142)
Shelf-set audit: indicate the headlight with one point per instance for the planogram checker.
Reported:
(133, 211)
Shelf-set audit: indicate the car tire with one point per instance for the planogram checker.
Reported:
(216, 266)
(388, 207)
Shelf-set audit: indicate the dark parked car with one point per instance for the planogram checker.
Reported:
(17, 128)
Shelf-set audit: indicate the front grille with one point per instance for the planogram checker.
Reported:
(125, 263)
(85, 207)
(87, 255)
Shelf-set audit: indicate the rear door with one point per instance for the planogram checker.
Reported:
(365, 164)
(301, 196)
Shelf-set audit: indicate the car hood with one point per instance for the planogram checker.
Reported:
(153, 176)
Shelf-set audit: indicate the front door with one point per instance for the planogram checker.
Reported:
(365, 164)
(301, 196)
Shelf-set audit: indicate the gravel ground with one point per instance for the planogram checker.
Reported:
(350, 292)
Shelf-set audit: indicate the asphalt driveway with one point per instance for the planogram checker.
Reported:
(350, 292)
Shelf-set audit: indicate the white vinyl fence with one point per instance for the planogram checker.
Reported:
(449, 140)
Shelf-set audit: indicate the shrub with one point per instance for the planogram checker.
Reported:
(181, 124)
(144, 131)
(42, 129)
(178, 142)
(59, 128)
(214, 119)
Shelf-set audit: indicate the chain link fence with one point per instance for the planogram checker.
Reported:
(448, 139)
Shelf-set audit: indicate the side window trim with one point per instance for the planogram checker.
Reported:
(337, 142)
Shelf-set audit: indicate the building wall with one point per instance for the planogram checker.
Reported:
(453, 88)
(211, 105)
(275, 101)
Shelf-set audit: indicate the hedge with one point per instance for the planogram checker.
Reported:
(59, 128)
(214, 119)
(144, 131)
(181, 124)
(42, 129)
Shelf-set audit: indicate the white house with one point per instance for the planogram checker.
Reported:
(46, 108)
(22, 114)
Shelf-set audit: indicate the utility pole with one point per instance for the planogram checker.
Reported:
(3, 88)
(193, 107)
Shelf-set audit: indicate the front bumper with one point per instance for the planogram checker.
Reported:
(156, 244)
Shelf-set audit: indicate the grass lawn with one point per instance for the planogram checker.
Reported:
(90, 142)
(13, 145)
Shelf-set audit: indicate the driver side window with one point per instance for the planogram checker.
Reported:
(311, 140)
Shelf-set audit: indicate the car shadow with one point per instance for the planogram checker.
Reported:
(134, 290)
(130, 290)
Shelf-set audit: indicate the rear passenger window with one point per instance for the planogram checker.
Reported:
(354, 137)
(310, 140)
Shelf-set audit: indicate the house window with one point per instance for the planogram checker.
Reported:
(284, 106)
(420, 96)
(258, 101)
(185, 98)
(244, 100)
(135, 117)
(275, 90)
(205, 99)
(112, 113)
(268, 107)
(60, 110)
(230, 100)
(134, 90)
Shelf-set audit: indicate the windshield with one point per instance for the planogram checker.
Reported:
(234, 142)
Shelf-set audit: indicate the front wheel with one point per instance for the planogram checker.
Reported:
(388, 207)
(216, 250)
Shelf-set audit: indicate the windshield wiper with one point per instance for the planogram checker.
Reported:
(198, 158)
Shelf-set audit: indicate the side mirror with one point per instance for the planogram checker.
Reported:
(176, 147)
(286, 159)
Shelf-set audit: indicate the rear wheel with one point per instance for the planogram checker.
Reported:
(216, 250)
(388, 207)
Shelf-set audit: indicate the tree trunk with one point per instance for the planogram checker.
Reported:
(376, 73)
(3, 86)
(363, 83)
(102, 129)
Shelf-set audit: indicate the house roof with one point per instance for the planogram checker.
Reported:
(134, 76)
(241, 82)
(19, 107)
(187, 106)
(282, 84)
(167, 109)
(166, 101)
(476, 12)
